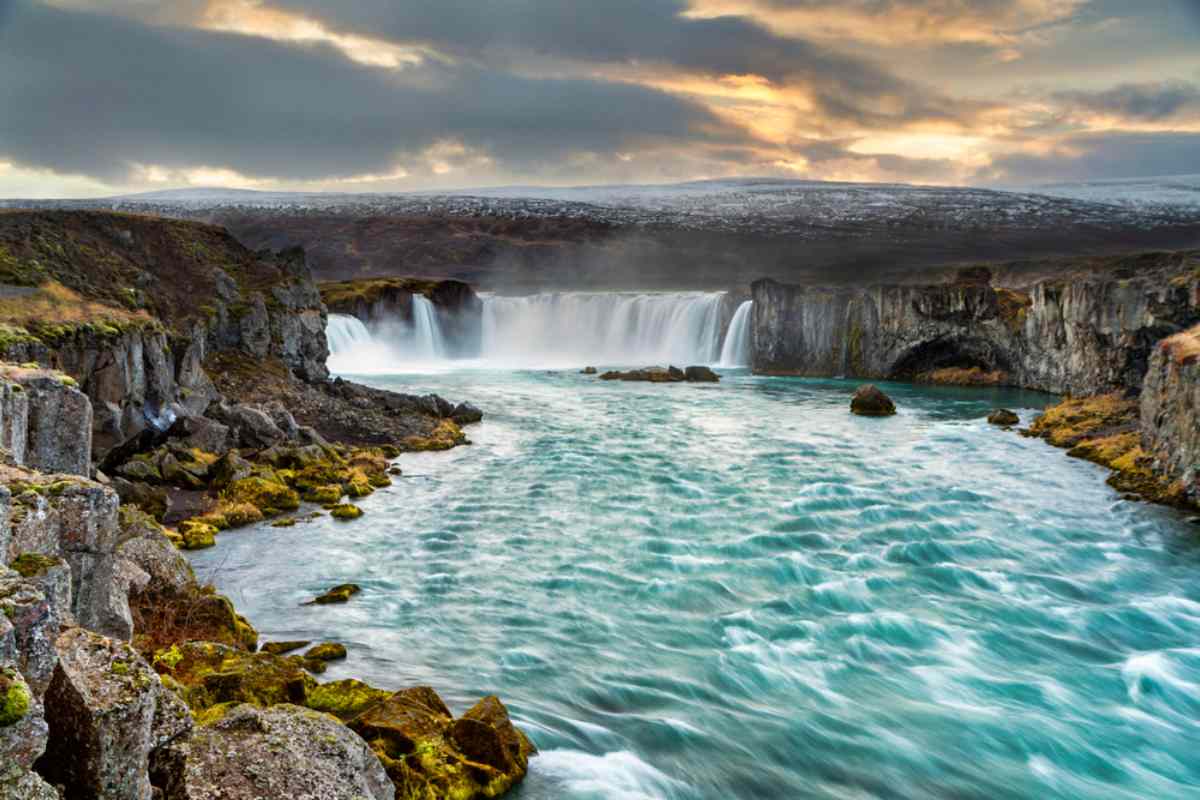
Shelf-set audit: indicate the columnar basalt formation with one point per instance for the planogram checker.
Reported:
(1082, 333)
(1170, 411)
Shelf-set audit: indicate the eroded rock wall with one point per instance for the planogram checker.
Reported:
(1082, 336)
(1170, 410)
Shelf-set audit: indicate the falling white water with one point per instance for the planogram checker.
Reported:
(551, 330)
(606, 328)
(736, 350)
(427, 342)
(352, 348)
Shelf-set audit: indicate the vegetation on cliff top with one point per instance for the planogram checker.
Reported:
(343, 295)
(134, 263)
(1104, 430)
(52, 312)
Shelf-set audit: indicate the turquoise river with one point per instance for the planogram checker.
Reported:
(742, 591)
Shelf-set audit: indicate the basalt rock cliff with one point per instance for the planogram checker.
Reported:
(1080, 331)
(157, 320)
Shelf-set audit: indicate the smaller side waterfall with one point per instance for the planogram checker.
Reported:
(427, 342)
(345, 333)
(736, 351)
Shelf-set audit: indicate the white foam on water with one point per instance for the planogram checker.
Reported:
(618, 775)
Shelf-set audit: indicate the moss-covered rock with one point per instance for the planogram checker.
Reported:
(197, 535)
(327, 651)
(279, 648)
(345, 511)
(31, 565)
(213, 674)
(1104, 430)
(338, 594)
(359, 486)
(15, 697)
(330, 493)
(140, 468)
(445, 435)
(267, 496)
(428, 754)
(229, 468)
(228, 515)
(1075, 419)
(345, 699)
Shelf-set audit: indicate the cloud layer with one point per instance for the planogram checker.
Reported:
(380, 95)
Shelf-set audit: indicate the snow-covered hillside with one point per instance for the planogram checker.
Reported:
(769, 206)
(1176, 191)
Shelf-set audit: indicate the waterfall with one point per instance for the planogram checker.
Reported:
(427, 340)
(607, 328)
(547, 330)
(736, 352)
(354, 348)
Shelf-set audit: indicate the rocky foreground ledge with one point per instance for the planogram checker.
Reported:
(159, 384)
(1151, 442)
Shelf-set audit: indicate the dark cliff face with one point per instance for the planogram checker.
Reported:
(1170, 410)
(135, 306)
(1084, 334)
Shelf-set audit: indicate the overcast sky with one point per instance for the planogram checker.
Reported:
(106, 96)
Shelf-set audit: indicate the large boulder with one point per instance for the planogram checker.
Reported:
(250, 427)
(870, 401)
(280, 752)
(701, 375)
(144, 543)
(107, 712)
(428, 753)
(1003, 418)
(201, 433)
(59, 427)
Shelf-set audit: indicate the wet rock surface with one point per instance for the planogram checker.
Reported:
(278, 752)
(427, 753)
(663, 375)
(1004, 418)
(1088, 330)
(870, 401)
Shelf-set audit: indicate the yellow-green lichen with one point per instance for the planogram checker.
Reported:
(15, 697)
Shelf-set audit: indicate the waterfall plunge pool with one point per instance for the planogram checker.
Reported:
(740, 590)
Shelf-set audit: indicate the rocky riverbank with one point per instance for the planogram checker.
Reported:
(162, 384)
(1103, 331)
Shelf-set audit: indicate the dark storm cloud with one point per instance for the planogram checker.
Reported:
(1150, 102)
(93, 94)
(650, 33)
(1098, 156)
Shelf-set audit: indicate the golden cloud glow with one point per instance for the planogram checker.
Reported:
(939, 21)
(253, 18)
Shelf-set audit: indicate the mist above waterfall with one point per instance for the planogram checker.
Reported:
(552, 330)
